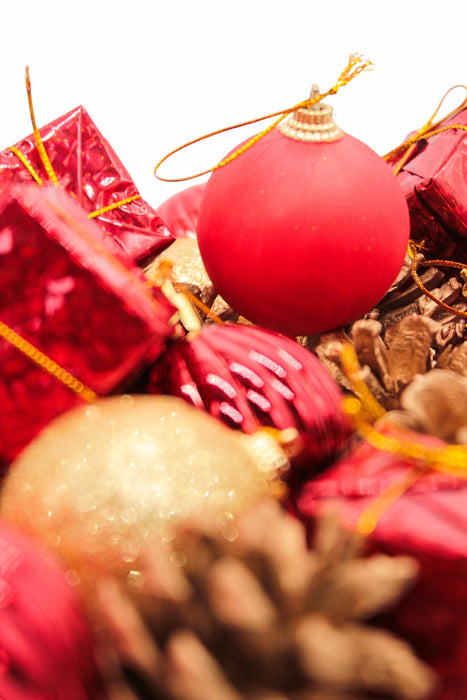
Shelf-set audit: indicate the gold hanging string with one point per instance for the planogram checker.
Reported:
(450, 459)
(46, 363)
(46, 160)
(40, 146)
(356, 65)
(26, 164)
(427, 130)
(412, 250)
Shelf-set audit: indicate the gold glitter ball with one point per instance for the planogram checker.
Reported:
(183, 259)
(102, 480)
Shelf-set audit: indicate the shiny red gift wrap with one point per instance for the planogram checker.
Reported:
(63, 290)
(434, 180)
(88, 168)
(428, 522)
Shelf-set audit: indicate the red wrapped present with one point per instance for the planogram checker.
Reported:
(419, 514)
(65, 294)
(88, 168)
(433, 177)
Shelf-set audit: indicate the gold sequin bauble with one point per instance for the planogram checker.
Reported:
(101, 480)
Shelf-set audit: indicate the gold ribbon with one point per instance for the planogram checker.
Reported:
(356, 65)
(46, 160)
(450, 459)
(412, 251)
(405, 151)
(428, 130)
(46, 363)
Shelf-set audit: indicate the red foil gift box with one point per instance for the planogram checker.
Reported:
(88, 168)
(64, 291)
(434, 180)
(428, 522)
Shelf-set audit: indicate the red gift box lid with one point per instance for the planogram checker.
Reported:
(431, 515)
(88, 168)
(65, 291)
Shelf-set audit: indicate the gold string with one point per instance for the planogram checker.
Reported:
(40, 146)
(356, 65)
(92, 215)
(46, 363)
(426, 131)
(115, 205)
(26, 164)
(412, 251)
(48, 165)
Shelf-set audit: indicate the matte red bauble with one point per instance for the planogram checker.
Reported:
(305, 230)
(250, 377)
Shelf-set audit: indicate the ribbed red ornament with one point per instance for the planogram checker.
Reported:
(305, 230)
(250, 377)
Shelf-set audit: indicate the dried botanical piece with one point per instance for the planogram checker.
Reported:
(245, 611)
(407, 335)
(435, 403)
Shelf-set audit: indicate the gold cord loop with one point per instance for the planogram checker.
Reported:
(356, 65)
(429, 129)
(412, 251)
(46, 160)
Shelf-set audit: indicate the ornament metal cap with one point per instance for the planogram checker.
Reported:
(313, 124)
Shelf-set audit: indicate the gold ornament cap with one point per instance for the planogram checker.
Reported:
(313, 124)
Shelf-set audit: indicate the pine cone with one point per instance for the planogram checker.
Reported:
(402, 345)
(247, 612)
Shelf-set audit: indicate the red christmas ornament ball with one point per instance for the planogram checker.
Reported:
(302, 236)
(249, 378)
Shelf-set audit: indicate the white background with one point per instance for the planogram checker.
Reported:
(155, 74)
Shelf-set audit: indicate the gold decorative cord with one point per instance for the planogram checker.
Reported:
(40, 146)
(412, 250)
(26, 164)
(356, 65)
(115, 205)
(46, 160)
(46, 363)
(429, 129)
